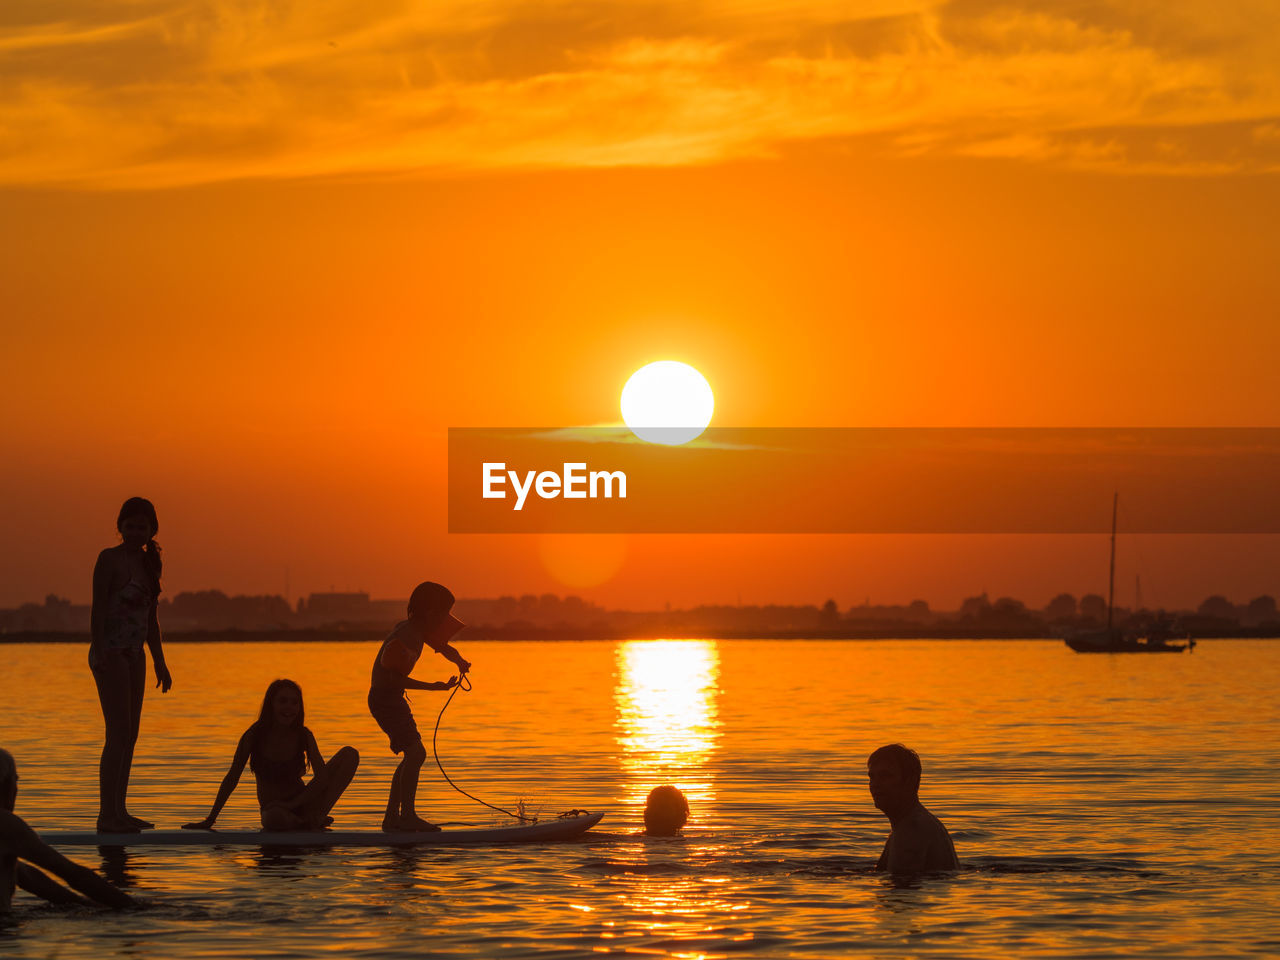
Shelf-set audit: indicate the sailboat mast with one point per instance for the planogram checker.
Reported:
(1111, 588)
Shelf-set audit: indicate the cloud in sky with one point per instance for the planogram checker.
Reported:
(145, 94)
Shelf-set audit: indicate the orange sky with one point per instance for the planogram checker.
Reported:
(254, 262)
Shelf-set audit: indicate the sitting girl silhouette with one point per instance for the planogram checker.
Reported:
(278, 748)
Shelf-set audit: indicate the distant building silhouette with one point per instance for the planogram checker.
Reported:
(214, 610)
(335, 607)
(54, 615)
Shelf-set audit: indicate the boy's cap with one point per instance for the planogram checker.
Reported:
(448, 627)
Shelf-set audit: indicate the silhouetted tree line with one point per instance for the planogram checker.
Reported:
(213, 610)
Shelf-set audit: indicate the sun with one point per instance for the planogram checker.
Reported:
(667, 402)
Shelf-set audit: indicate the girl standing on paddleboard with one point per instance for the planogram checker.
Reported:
(126, 592)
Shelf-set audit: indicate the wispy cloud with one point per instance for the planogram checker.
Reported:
(176, 94)
(615, 433)
(63, 35)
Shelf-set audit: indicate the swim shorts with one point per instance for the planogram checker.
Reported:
(396, 720)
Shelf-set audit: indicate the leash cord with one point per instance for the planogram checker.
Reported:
(436, 733)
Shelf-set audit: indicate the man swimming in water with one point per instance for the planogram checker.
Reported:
(20, 848)
(918, 842)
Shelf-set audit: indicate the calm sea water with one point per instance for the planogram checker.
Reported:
(1101, 806)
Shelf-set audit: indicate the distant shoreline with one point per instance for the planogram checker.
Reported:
(537, 634)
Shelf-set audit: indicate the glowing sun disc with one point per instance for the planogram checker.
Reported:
(667, 402)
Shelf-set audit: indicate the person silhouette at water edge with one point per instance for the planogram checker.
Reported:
(918, 842)
(126, 592)
(666, 811)
(278, 748)
(430, 624)
(24, 858)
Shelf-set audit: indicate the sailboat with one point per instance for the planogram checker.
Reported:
(1154, 639)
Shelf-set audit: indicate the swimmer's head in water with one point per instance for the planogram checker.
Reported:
(893, 772)
(430, 603)
(665, 811)
(8, 780)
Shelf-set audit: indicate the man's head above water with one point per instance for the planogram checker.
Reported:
(893, 772)
(918, 841)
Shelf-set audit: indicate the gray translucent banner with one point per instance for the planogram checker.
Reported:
(865, 480)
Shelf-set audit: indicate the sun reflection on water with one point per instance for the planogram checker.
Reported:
(667, 730)
(667, 725)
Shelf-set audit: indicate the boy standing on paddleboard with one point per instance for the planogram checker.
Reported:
(430, 623)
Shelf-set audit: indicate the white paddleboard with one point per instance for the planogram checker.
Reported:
(564, 828)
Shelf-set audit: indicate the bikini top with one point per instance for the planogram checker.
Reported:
(288, 770)
(129, 615)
